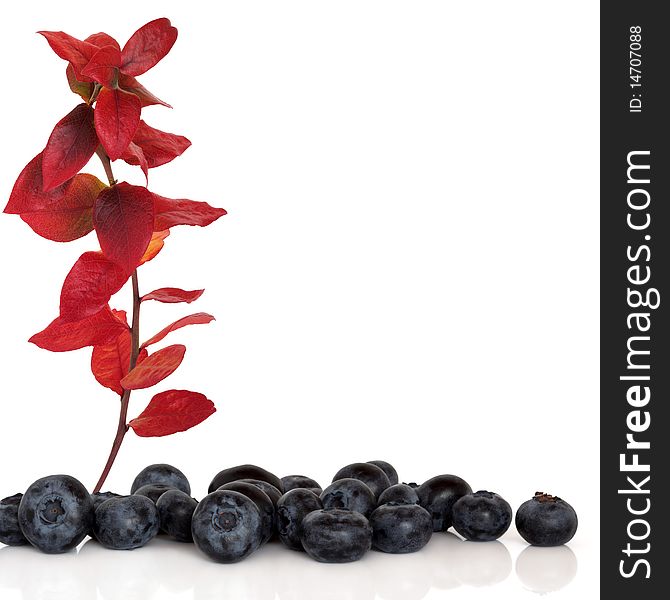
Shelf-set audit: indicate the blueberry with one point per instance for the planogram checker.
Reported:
(390, 471)
(244, 472)
(153, 491)
(438, 495)
(272, 491)
(349, 494)
(99, 497)
(400, 528)
(227, 526)
(126, 522)
(546, 520)
(482, 516)
(292, 508)
(10, 532)
(400, 493)
(371, 475)
(292, 482)
(163, 474)
(412, 484)
(262, 501)
(336, 536)
(175, 509)
(56, 513)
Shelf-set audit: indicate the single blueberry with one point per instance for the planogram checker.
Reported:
(126, 522)
(10, 532)
(161, 474)
(272, 491)
(56, 513)
(482, 516)
(227, 526)
(349, 494)
(244, 472)
(546, 520)
(99, 497)
(400, 493)
(388, 468)
(438, 496)
(292, 508)
(400, 528)
(292, 482)
(412, 484)
(371, 475)
(153, 491)
(175, 510)
(336, 536)
(262, 501)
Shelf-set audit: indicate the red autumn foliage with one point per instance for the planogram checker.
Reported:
(172, 411)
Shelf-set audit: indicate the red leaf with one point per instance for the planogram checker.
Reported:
(102, 39)
(130, 84)
(76, 52)
(104, 66)
(71, 144)
(158, 147)
(70, 216)
(89, 285)
(117, 115)
(147, 46)
(194, 319)
(62, 336)
(123, 217)
(135, 156)
(155, 245)
(172, 411)
(28, 193)
(82, 88)
(154, 368)
(169, 212)
(170, 295)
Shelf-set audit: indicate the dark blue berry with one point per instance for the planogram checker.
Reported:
(349, 494)
(482, 516)
(292, 482)
(163, 474)
(292, 508)
(400, 493)
(10, 532)
(262, 501)
(390, 471)
(227, 526)
(336, 536)
(175, 509)
(153, 491)
(272, 491)
(244, 472)
(371, 475)
(99, 497)
(546, 520)
(56, 513)
(400, 528)
(438, 496)
(126, 522)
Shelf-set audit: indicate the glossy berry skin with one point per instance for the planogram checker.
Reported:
(10, 532)
(336, 536)
(56, 513)
(400, 493)
(388, 468)
(546, 520)
(227, 526)
(349, 494)
(262, 501)
(162, 474)
(400, 528)
(293, 482)
(273, 492)
(371, 475)
(438, 496)
(175, 510)
(482, 516)
(153, 491)
(292, 508)
(244, 472)
(99, 497)
(126, 522)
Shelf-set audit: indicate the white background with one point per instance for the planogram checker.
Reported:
(408, 271)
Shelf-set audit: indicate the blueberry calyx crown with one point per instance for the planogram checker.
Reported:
(542, 497)
(484, 493)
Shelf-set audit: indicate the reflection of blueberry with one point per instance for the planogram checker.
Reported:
(292, 508)
(292, 482)
(482, 516)
(227, 526)
(153, 491)
(262, 501)
(336, 536)
(438, 496)
(163, 474)
(349, 494)
(99, 497)
(175, 509)
(10, 532)
(400, 528)
(56, 513)
(244, 472)
(400, 493)
(546, 520)
(272, 491)
(126, 522)
(371, 475)
(390, 471)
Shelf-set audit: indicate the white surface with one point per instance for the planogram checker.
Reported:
(408, 271)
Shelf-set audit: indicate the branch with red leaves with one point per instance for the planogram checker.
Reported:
(131, 223)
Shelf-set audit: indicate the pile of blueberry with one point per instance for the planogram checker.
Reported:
(364, 507)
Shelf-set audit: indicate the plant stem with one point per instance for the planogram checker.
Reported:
(104, 159)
